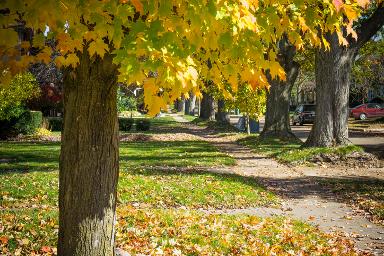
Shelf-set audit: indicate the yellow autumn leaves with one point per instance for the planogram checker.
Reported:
(163, 36)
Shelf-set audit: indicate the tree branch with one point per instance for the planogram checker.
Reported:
(369, 27)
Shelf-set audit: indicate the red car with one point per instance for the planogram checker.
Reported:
(369, 110)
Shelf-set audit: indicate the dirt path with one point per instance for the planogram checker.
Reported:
(303, 197)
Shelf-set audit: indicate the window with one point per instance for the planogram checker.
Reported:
(373, 105)
(309, 108)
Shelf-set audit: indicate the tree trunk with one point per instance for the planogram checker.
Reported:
(222, 115)
(207, 110)
(190, 104)
(277, 123)
(89, 159)
(181, 105)
(333, 71)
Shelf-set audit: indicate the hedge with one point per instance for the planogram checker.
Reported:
(26, 124)
(55, 123)
(143, 124)
(125, 124)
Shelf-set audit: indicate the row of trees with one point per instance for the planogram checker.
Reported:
(102, 43)
(333, 68)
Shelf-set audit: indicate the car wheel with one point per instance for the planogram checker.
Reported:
(363, 116)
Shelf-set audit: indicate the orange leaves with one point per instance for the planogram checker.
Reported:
(46, 249)
(67, 45)
(338, 4)
(138, 6)
(363, 3)
(4, 239)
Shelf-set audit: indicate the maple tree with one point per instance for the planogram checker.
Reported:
(277, 121)
(161, 45)
(333, 68)
(252, 102)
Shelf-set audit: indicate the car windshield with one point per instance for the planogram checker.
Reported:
(309, 108)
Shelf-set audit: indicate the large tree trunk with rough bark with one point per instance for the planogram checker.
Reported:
(89, 160)
(180, 105)
(277, 123)
(222, 115)
(333, 71)
(207, 109)
(190, 104)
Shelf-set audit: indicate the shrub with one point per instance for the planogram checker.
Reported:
(27, 123)
(125, 124)
(42, 132)
(13, 98)
(55, 123)
(143, 124)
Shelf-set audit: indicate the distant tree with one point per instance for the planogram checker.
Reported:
(125, 101)
(14, 98)
(251, 101)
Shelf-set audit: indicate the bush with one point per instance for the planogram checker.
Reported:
(29, 122)
(55, 123)
(13, 98)
(26, 124)
(125, 124)
(143, 124)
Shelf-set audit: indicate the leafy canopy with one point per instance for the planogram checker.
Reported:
(173, 38)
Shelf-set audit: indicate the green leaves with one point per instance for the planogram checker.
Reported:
(12, 99)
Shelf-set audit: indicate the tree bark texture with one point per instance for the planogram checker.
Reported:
(89, 160)
(190, 104)
(222, 115)
(333, 71)
(277, 122)
(207, 110)
(333, 75)
(180, 105)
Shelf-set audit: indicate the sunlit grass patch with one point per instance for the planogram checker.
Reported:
(177, 232)
(180, 232)
(172, 153)
(291, 151)
(193, 189)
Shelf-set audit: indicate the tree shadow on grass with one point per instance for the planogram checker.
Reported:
(361, 191)
(23, 157)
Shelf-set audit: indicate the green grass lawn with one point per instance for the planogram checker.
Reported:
(290, 151)
(177, 232)
(189, 117)
(171, 153)
(157, 205)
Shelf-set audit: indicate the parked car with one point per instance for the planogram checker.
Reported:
(304, 114)
(369, 110)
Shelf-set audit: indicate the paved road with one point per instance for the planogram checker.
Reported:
(373, 144)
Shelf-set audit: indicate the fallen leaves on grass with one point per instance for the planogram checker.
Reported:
(171, 232)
